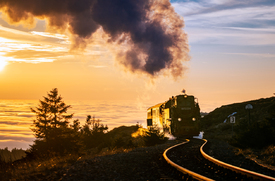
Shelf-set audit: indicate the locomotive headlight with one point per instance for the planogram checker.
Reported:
(179, 119)
(193, 119)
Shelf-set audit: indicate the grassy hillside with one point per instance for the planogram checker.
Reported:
(214, 126)
(122, 136)
(255, 140)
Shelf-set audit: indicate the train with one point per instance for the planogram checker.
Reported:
(178, 116)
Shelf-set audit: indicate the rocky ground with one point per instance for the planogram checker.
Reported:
(140, 164)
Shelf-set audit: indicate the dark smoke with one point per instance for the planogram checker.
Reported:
(151, 29)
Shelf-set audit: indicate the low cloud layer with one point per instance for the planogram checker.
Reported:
(16, 118)
(149, 33)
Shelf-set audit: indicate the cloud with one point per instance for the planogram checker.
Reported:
(97, 66)
(12, 35)
(32, 47)
(260, 30)
(260, 55)
(55, 35)
(201, 13)
(15, 121)
(205, 7)
(230, 36)
(229, 22)
(4, 138)
(151, 31)
(34, 55)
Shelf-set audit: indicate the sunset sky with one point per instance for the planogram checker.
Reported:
(100, 54)
(232, 58)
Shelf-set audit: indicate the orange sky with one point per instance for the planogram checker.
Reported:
(36, 62)
(232, 59)
(33, 61)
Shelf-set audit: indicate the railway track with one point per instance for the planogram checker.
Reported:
(190, 159)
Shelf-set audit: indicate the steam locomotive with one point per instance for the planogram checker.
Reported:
(178, 116)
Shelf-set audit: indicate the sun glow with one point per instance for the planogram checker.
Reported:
(3, 63)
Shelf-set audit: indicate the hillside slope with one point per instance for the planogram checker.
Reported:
(255, 140)
(214, 124)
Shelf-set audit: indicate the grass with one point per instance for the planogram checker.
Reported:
(222, 131)
(268, 155)
(264, 157)
(19, 170)
(42, 168)
(56, 165)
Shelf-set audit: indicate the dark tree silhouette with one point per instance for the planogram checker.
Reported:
(76, 126)
(51, 125)
(50, 115)
(93, 133)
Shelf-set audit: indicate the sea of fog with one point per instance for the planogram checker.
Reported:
(16, 118)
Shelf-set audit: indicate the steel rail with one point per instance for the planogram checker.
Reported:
(181, 169)
(234, 168)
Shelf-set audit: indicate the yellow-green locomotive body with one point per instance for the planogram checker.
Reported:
(178, 116)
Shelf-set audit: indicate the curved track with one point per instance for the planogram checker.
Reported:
(189, 158)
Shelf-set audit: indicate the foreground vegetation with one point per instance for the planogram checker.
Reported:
(121, 139)
(10, 156)
(58, 143)
(253, 135)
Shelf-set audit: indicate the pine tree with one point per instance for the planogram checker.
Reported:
(51, 124)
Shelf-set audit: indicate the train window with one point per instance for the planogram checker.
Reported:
(149, 122)
(149, 113)
(189, 101)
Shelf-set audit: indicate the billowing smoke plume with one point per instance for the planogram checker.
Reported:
(150, 29)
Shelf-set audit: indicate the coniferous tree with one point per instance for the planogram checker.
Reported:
(93, 133)
(51, 125)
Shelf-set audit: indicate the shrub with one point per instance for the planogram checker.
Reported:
(258, 135)
(153, 136)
